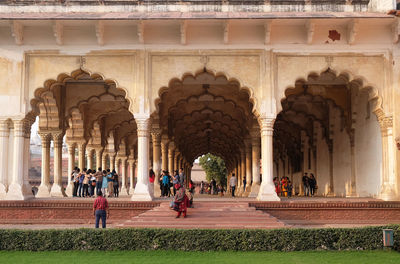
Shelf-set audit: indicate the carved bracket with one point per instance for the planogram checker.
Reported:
(226, 31)
(17, 31)
(352, 31)
(58, 30)
(267, 32)
(183, 32)
(140, 32)
(100, 32)
(310, 27)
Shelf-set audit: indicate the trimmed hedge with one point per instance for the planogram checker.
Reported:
(368, 238)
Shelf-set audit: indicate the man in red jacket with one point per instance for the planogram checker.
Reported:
(101, 210)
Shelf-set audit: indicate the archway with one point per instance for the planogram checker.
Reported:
(207, 113)
(330, 126)
(93, 115)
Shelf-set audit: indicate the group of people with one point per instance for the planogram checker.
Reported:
(211, 188)
(167, 182)
(88, 182)
(309, 184)
(283, 187)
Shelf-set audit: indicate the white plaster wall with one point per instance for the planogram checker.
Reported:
(368, 150)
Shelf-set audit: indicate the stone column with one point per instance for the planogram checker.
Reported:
(44, 188)
(99, 159)
(142, 191)
(156, 136)
(124, 187)
(104, 161)
(255, 148)
(389, 184)
(81, 155)
(176, 160)
(171, 152)
(248, 167)
(71, 165)
(19, 189)
(89, 158)
(132, 176)
(4, 138)
(112, 161)
(164, 153)
(57, 190)
(267, 188)
(352, 192)
(331, 189)
(242, 171)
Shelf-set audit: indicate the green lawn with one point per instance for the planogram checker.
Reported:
(164, 257)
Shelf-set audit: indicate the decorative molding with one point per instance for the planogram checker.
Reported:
(143, 125)
(100, 32)
(58, 31)
(184, 32)
(17, 31)
(396, 30)
(310, 27)
(267, 32)
(352, 31)
(226, 26)
(140, 31)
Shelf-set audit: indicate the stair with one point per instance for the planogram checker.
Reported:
(206, 215)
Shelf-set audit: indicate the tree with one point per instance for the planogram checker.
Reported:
(214, 167)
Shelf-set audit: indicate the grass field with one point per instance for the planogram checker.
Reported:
(177, 257)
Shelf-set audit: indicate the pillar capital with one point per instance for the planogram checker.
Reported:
(156, 134)
(143, 122)
(267, 125)
(57, 138)
(4, 128)
(21, 128)
(171, 146)
(45, 138)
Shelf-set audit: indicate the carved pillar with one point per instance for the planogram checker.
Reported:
(19, 189)
(124, 187)
(352, 192)
(171, 152)
(44, 188)
(71, 165)
(132, 169)
(255, 148)
(112, 161)
(4, 138)
(267, 188)
(331, 188)
(57, 190)
(142, 191)
(99, 159)
(81, 155)
(164, 153)
(104, 161)
(242, 172)
(389, 184)
(156, 137)
(89, 158)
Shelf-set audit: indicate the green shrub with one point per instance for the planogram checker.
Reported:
(368, 238)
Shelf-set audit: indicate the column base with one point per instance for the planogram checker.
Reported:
(43, 191)
(255, 189)
(267, 193)
(57, 191)
(3, 192)
(387, 193)
(124, 191)
(70, 189)
(141, 193)
(18, 192)
(157, 191)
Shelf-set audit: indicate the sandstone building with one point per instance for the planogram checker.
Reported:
(302, 85)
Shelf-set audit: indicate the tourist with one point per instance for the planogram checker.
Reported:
(77, 175)
(290, 188)
(181, 201)
(116, 185)
(152, 176)
(86, 183)
(175, 180)
(104, 186)
(181, 177)
(81, 178)
(110, 183)
(92, 183)
(213, 186)
(313, 184)
(99, 180)
(100, 210)
(201, 187)
(232, 184)
(306, 184)
(191, 187)
(284, 184)
(277, 186)
(165, 183)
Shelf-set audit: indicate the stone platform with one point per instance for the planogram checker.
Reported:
(208, 212)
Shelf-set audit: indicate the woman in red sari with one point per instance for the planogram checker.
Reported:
(181, 201)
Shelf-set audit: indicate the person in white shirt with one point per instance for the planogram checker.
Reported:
(232, 184)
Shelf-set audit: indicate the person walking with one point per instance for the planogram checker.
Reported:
(100, 210)
(110, 178)
(116, 185)
(165, 183)
(104, 185)
(232, 184)
(313, 184)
